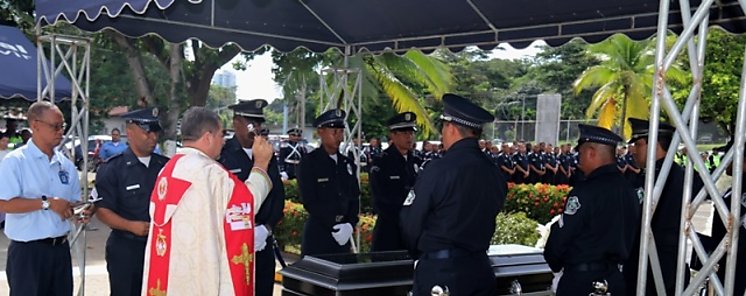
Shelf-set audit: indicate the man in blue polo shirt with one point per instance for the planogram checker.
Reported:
(113, 147)
(36, 191)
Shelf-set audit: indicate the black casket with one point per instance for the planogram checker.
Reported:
(518, 269)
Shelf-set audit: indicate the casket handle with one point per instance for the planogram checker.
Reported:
(515, 288)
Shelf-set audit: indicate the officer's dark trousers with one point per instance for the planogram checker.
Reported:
(124, 261)
(265, 271)
(581, 283)
(468, 275)
(387, 236)
(39, 268)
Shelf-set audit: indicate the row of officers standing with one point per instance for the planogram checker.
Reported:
(443, 214)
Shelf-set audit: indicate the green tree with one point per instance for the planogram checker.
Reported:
(722, 75)
(405, 82)
(623, 80)
(554, 69)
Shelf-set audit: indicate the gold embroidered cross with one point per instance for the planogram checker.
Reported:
(244, 259)
(157, 290)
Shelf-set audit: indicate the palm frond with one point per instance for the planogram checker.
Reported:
(438, 77)
(600, 97)
(608, 114)
(402, 97)
(593, 77)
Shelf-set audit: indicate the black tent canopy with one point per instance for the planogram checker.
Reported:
(377, 26)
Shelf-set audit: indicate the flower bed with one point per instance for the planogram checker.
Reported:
(512, 228)
(540, 202)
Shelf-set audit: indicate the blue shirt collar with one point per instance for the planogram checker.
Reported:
(37, 153)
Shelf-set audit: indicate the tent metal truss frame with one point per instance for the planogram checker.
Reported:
(686, 130)
(70, 55)
(685, 122)
(342, 88)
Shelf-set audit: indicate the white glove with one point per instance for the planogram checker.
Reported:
(556, 280)
(284, 176)
(260, 238)
(342, 233)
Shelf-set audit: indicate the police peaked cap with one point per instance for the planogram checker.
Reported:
(253, 109)
(461, 111)
(295, 131)
(334, 118)
(597, 134)
(146, 118)
(405, 121)
(641, 129)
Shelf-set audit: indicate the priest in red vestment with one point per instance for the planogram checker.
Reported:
(201, 239)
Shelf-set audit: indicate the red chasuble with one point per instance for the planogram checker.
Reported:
(238, 227)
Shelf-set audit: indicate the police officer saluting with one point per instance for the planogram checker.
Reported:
(329, 190)
(595, 233)
(392, 177)
(448, 218)
(237, 157)
(124, 185)
(291, 153)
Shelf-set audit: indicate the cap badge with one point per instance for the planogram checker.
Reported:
(155, 112)
(407, 117)
(258, 104)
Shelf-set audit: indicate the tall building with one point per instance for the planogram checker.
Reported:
(224, 78)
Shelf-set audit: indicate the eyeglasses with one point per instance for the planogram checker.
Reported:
(55, 127)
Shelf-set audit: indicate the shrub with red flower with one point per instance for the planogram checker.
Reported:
(540, 202)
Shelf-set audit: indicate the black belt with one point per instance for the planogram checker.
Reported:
(129, 235)
(449, 253)
(593, 267)
(53, 241)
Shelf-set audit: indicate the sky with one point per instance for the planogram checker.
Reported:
(256, 81)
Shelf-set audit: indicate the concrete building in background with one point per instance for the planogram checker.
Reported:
(224, 78)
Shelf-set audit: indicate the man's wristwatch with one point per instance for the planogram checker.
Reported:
(44, 203)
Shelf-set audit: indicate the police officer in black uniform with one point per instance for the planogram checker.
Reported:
(124, 185)
(291, 153)
(505, 162)
(329, 190)
(536, 165)
(448, 219)
(392, 176)
(565, 166)
(595, 233)
(521, 173)
(667, 216)
(550, 164)
(237, 158)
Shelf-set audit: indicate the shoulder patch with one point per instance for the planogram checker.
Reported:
(572, 206)
(410, 198)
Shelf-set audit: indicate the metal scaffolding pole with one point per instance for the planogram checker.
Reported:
(74, 60)
(686, 124)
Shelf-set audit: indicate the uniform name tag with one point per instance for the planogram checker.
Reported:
(133, 187)
(394, 177)
(235, 171)
(320, 180)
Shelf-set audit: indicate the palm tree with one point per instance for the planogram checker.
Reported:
(395, 76)
(624, 79)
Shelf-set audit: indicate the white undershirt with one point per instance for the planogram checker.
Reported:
(249, 152)
(144, 160)
(333, 157)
